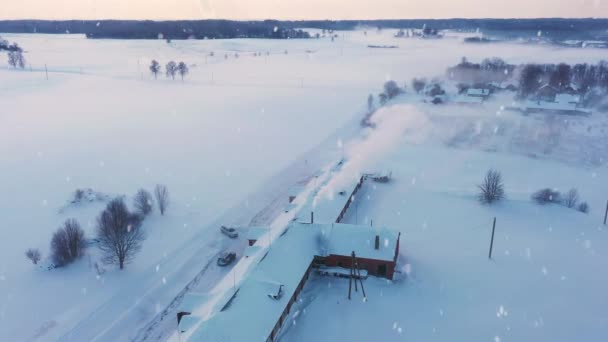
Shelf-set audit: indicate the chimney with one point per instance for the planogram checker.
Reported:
(377, 244)
(312, 217)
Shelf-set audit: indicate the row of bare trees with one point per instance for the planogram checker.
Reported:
(119, 232)
(492, 190)
(171, 69)
(570, 199)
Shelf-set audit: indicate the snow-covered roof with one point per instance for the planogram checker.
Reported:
(328, 205)
(468, 99)
(252, 314)
(343, 239)
(567, 98)
(295, 190)
(191, 301)
(553, 106)
(478, 92)
(255, 233)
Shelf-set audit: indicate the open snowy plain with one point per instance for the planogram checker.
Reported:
(233, 137)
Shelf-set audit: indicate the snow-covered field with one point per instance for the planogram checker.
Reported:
(232, 138)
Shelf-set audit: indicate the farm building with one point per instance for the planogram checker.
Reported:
(549, 99)
(278, 276)
(278, 279)
(478, 92)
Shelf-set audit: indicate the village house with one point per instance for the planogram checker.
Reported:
(551, 99)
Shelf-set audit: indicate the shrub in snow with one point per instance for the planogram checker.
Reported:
(78, 195)
(391, 89)
(436, 90)
(492, 188)
(571, 198)
(546, 195)
(67, 243)
(143, 202)
(382, 98)
(162, 198)
(119, 233)
(583, 207)
(34, 255)
(418, 84)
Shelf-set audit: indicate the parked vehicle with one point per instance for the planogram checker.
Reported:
(226, 259)
(230, 232)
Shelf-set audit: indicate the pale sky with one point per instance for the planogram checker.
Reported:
(299, 9)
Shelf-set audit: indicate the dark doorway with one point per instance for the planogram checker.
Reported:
(382, 270)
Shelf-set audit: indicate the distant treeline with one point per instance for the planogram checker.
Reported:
(588, 80)
(200, 29)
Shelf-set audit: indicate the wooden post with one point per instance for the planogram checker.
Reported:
(312, 217)
(350, 280)
(606, 214)
(492, 240)
(46, 70)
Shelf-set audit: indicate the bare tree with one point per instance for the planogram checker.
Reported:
(571, 199)
(182, 69)
(67, 243)
(20, 59)
(143, 202)
(16, 59)
(119, 232)
(547, 195)
(162, 198)
(12, 59)
(34, 255)
(492, 188)
(155, 68)
(583, 207)
(171, 69)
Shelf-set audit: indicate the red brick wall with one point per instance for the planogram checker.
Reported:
(370, 265)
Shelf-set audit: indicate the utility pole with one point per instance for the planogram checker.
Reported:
(492, 240)
(606, 214)
(355, 274)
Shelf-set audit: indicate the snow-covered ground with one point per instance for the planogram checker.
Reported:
(544, 282)
(230, 141)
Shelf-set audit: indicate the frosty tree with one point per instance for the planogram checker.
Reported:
(370, 103)
(162, 198)
(67, 243)
(182, 69)
(143, 202)
(16, 59)
(571, 198)
(492, 188)
(391, 89)
(155, 68)
(171, 69)
(119, 232)
(34, 255)
(418, 84)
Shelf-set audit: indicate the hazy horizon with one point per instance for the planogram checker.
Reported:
(300, 9)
